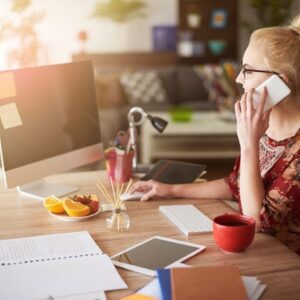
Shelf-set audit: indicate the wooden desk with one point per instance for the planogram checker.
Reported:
(266, 258)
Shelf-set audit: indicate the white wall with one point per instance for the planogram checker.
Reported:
(65, 18)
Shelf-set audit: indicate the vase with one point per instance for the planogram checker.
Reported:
(118, 221)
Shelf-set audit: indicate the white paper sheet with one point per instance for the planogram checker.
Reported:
(57, 265)
(250, 283)
(7, 85)
(258, 291)
(10, 116)
(88, 296)
(47, 246)
(59, 278)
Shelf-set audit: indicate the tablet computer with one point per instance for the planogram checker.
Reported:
(156, 252)
(174, 172)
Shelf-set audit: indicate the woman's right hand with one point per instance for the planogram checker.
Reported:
(151, 188)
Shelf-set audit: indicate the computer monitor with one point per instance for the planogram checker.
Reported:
(49, 124)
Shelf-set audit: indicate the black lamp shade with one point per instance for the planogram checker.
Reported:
(158, 123)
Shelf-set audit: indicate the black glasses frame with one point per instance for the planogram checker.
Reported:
(244, 70)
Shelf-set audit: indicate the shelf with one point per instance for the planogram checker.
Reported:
(205, 32)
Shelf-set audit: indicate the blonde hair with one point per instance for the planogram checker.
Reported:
(281, 50)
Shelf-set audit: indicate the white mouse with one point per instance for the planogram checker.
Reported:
(133, 196)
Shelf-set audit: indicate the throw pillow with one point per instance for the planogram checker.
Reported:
(109, 91)
(191, 87)
(143, 87)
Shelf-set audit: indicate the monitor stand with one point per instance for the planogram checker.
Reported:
(41, 189)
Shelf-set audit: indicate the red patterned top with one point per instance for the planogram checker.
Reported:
(280, 171)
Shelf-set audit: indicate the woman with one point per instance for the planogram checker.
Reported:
(266, 177)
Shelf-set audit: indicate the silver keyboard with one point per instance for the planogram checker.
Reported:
(189, 219)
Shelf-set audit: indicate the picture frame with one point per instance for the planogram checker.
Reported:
(219, 18)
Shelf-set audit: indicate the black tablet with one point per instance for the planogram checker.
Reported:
(173, 172)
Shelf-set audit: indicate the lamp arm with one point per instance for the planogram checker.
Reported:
(132, 124)
(158, 123)
(137, 110)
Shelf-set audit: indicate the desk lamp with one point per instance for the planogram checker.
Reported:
(158, 123)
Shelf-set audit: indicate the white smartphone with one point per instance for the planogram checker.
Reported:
(277, 91)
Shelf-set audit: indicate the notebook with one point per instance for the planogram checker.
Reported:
(164, 279)
(60, 265)
(253, 286)
(173, 172)
(212, 283)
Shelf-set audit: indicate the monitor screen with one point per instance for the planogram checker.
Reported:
(49, 121)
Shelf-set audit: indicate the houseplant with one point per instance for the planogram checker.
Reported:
(120, 11)
(18, 33)
(269, 13)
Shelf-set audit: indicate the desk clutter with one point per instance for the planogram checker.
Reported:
(119, 220)
(175, 172)
(82, 207)
(75, 206)
(51, 266)
(184, 283)
(119, 157)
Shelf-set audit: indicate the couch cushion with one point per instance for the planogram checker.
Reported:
(190, 86)
(169, 80)
(143, 87)
(109, 91)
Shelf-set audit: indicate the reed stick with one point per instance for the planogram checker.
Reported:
(128, 185)
(113, 190)
(103, 189)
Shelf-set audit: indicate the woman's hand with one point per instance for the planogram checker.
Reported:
(251, 123)
(151, 188)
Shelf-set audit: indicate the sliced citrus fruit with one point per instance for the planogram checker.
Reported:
(54, 205)
(75, 209)
(90, 200)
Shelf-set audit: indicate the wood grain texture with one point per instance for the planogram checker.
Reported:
(266, 258)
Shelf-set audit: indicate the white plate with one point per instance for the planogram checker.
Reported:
(65, 217)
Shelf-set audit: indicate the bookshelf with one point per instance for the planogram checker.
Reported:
(207, 31)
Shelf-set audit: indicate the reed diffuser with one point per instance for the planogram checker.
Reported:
(119, 220)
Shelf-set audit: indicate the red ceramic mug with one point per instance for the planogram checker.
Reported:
(233, 232)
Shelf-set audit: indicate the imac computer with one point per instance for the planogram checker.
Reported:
(49, 123)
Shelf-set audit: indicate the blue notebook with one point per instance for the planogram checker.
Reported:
(164, 278)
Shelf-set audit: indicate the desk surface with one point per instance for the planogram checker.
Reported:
(266, 258)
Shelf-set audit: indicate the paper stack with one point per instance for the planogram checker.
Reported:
(222, 282)
(56, 266)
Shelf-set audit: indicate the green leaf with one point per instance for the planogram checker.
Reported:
(20, 5)
(272, 12)
(120, 10)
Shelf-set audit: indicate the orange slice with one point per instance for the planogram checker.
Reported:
(54, 205)
(75, 209)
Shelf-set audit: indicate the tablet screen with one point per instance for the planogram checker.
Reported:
(157, 252)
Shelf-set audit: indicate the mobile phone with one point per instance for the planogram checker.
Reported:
(277, 91)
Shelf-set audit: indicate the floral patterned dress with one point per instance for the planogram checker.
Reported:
(280, 172)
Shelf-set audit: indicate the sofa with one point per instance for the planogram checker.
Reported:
(153, 81)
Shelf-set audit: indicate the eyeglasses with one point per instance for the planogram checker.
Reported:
(245, 71)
